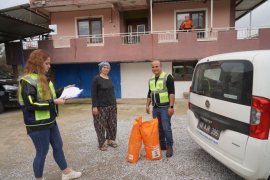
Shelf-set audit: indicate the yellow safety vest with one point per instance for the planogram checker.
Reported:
(159, 91)
(33, 80)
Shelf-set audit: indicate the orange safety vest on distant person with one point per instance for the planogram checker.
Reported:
(186, 24)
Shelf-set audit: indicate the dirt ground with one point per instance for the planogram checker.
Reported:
(17, 151)
(81, 148)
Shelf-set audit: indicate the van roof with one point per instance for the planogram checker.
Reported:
(247, 55)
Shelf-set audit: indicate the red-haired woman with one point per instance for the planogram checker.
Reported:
(38, 100)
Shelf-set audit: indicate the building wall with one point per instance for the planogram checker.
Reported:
(221, 14)
(134, 79)
(186, 47)
(163, 17)
(135, 76)
(66, 21)
(164, 14)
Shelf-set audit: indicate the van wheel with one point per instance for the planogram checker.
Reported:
(1, 107)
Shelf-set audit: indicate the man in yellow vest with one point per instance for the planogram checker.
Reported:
(162, 95)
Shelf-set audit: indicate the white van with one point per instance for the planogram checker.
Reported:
(229, 111)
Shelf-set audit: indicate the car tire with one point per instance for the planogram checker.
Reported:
(2, 108)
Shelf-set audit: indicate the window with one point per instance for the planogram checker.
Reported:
(182, 71)
(229, 80)
(197, 17)
(141, 29)
(91, 29)
(132, 37)
(198, 21)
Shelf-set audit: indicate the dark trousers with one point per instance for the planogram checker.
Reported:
(164, 125)
(105, 123)
(42, 139)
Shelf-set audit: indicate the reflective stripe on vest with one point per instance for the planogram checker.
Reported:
(33, 80)
(159, 89)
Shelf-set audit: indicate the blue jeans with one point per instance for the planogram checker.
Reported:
(42, 139)
(164, 126)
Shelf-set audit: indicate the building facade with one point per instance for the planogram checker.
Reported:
(131, 33)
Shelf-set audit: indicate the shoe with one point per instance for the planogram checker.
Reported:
(103, 147)
(169, 152)
(72, 175)
(163, 147)
(112, 144)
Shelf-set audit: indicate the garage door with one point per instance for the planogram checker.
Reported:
(82, 75)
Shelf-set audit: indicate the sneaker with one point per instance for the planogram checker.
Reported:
(169, 152)
(72, 175)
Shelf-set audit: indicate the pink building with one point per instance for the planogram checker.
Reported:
(131, 33)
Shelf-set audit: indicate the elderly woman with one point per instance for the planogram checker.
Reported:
(104, 107)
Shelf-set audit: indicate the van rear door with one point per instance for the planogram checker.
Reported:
(220, 100)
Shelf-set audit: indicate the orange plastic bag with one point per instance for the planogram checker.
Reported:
(150, 135)
(135, 141)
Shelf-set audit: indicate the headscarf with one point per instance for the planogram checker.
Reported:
(102, 64)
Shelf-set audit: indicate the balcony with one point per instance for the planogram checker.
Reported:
(165, 45)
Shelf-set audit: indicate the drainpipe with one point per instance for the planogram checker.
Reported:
(250, 20)
(211, 22)
(21, 53)
(151, 17)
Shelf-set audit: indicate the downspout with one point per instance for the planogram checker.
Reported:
(151, 17)
(250, 22)
(211, 16)
(21, 53)
(151, 27)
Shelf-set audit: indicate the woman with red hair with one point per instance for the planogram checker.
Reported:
(38, 100)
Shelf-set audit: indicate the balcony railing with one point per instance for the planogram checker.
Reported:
(135, 38)
(207, 35)
(247, 33)
(166, 36)
(130, 39)
(62, 42)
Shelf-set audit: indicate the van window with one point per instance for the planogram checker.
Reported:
(225, 80)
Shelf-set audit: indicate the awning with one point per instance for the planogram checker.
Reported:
(14, 24)
(242, 7)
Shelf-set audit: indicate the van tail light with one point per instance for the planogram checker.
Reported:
(189, 97)
(260, 118)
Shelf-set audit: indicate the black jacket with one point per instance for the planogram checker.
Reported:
(29, 108)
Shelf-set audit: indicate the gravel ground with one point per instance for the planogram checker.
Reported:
(80, 146)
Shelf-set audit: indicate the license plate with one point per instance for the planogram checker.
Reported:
(206, 126)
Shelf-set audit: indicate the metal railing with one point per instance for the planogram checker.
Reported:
(247, 33)
(130, 39)
(207, 35)
(94, 40)
(167, 36)
(62, 42)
